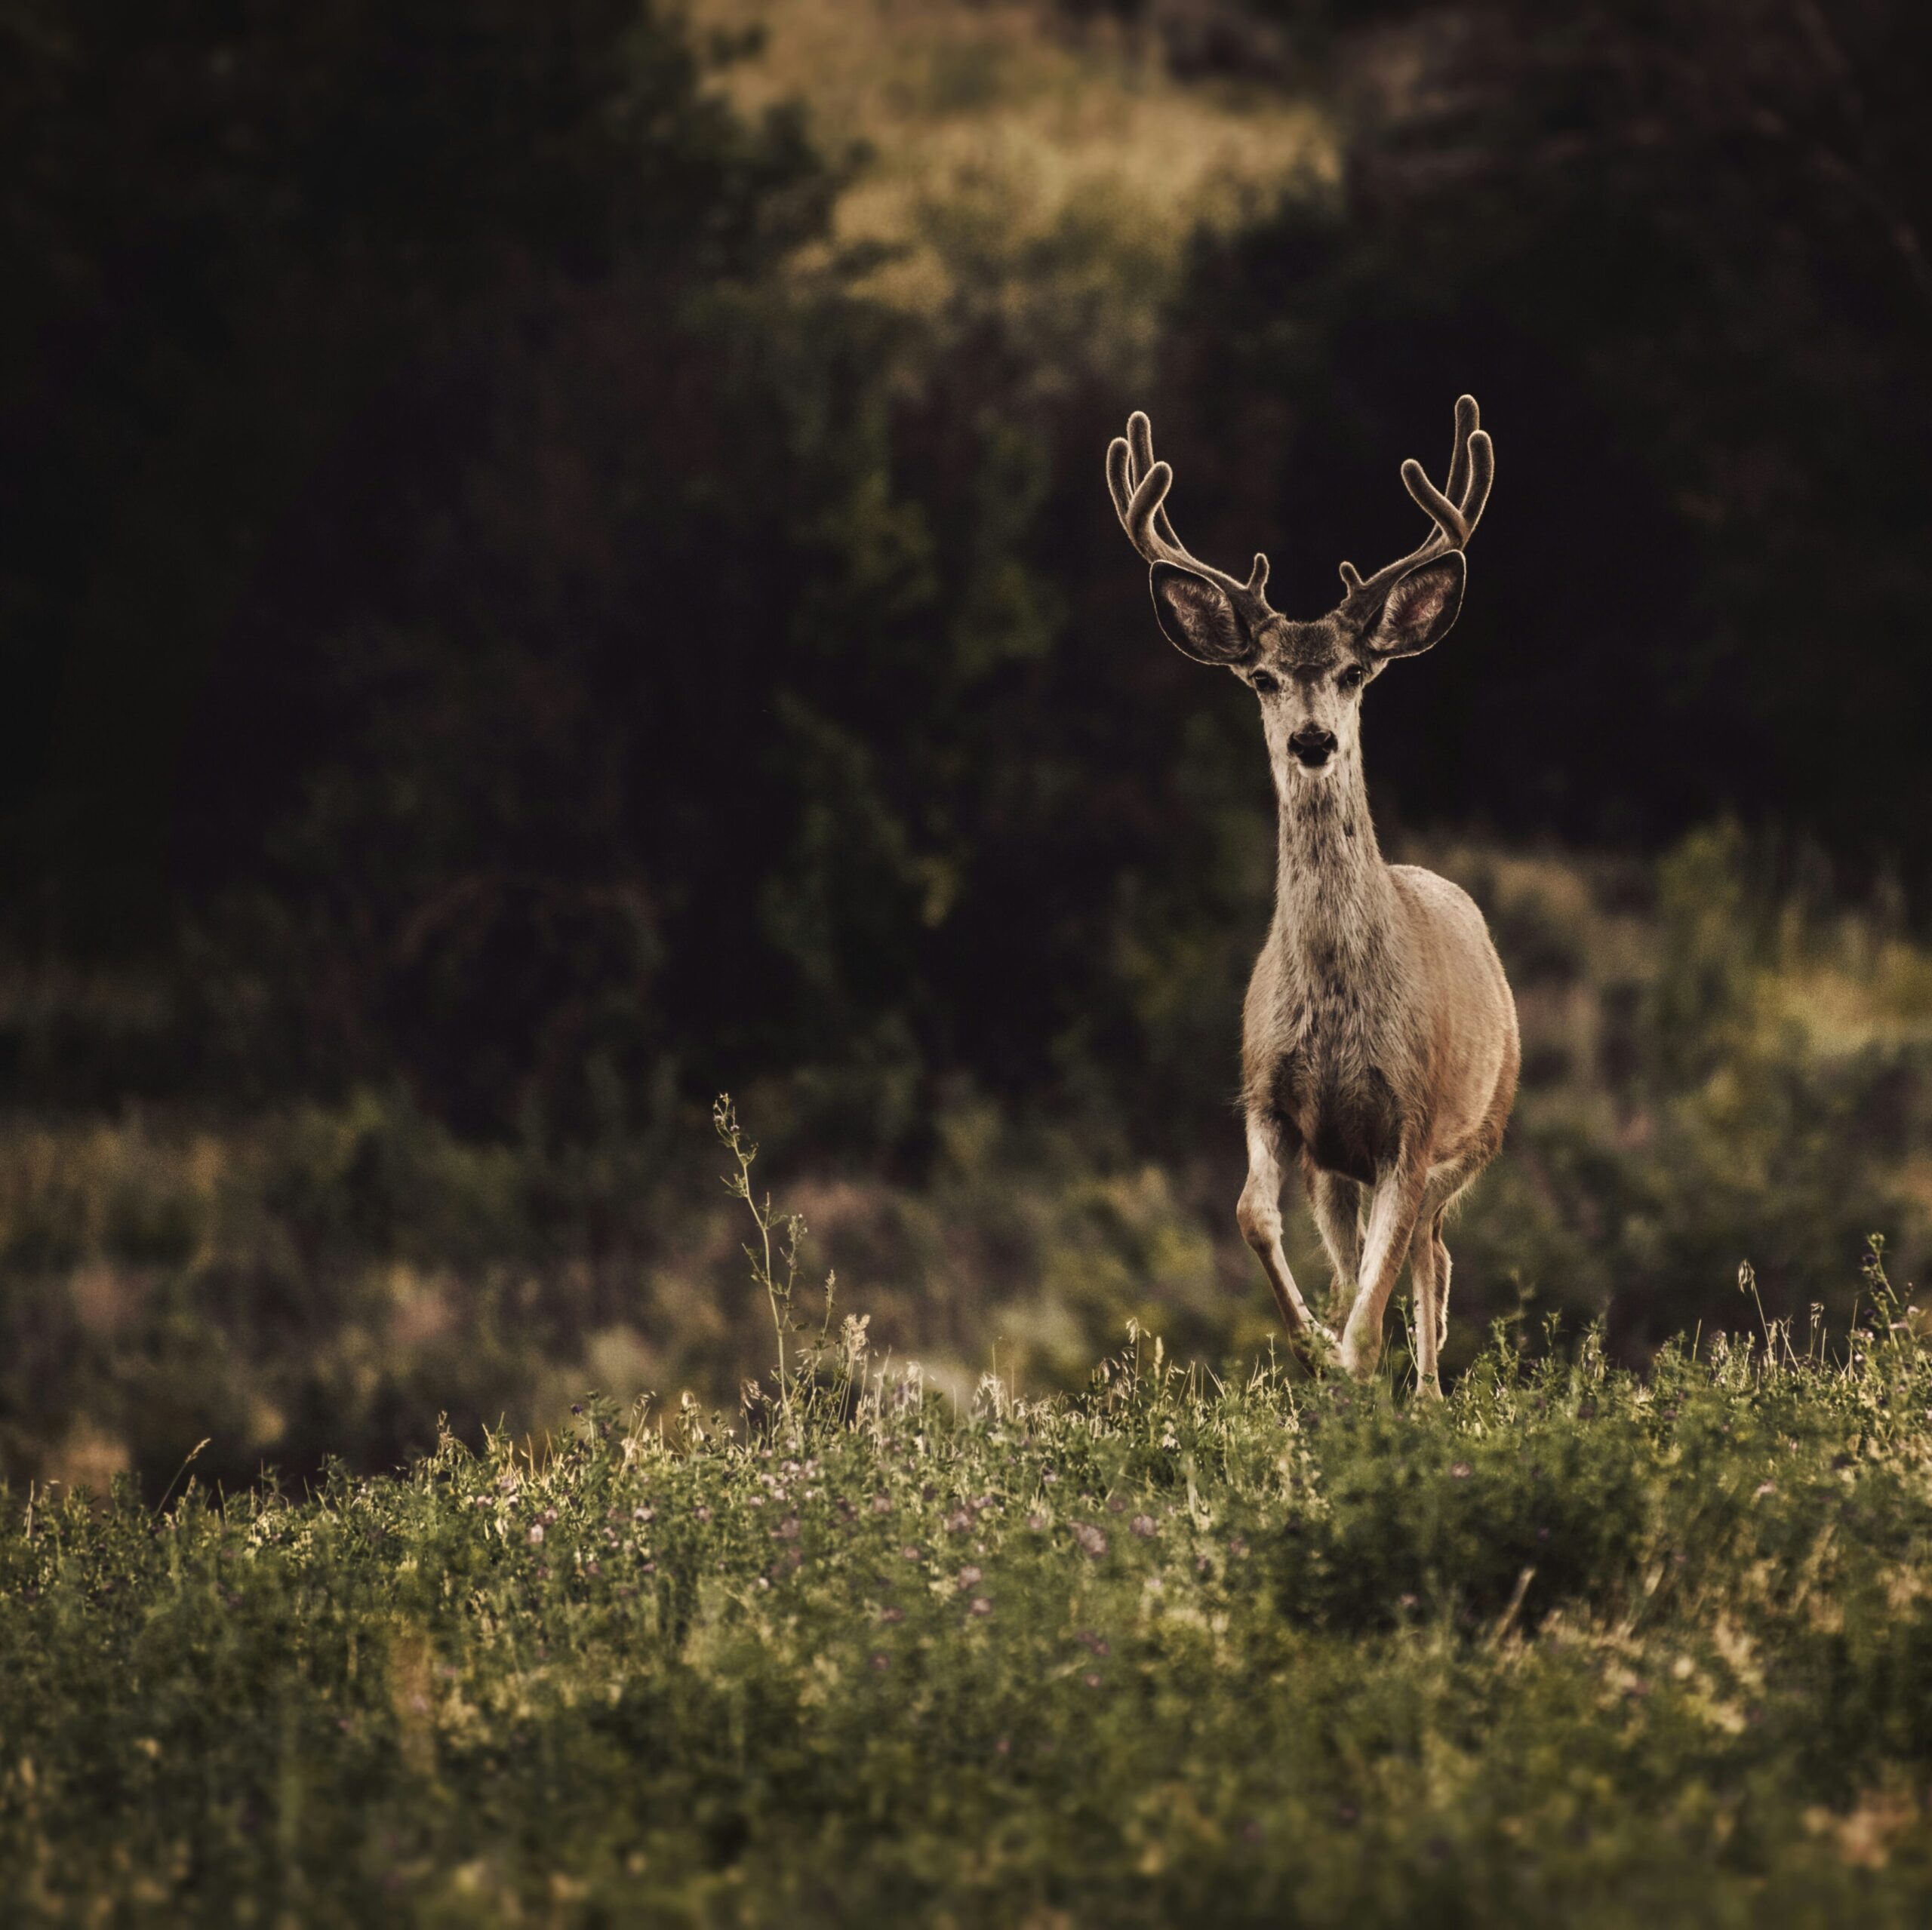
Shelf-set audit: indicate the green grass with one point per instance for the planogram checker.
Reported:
(1575, 1647)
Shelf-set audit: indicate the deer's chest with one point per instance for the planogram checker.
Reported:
(1334, 1102)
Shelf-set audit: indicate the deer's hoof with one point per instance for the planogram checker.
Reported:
(1358, 1358)
(1317, 1347)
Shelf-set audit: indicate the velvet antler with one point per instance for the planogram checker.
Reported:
(1455, 512)
(1140, 485)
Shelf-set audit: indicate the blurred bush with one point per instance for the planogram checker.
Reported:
(1716, 1072)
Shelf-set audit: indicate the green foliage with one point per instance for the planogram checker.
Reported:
(1574, 1648)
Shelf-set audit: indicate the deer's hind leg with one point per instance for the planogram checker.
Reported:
(1338, 1203)
(1259, 1215)
(1429, 1259)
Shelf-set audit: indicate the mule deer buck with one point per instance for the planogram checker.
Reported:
(1379, 1042)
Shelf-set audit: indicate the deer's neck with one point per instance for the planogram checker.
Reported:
(1333, 898)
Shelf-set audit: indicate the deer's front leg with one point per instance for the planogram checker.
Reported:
(1259, 1217)
(1391, 1227)
(1338, 1204)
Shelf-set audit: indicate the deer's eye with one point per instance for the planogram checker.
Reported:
(1351, 678)
(1264, 685)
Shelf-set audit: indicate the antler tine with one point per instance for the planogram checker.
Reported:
(1449, 521)
(1140, 439)
(1469, 419)
(1455, 513)
(1139, 486)
(1122, 476)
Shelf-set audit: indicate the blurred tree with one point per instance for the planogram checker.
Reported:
(236, 232)
(478, 621)
(1679, 252)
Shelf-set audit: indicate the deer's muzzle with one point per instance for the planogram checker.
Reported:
(1312, 745)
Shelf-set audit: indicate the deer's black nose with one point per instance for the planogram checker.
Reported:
(1313, 745)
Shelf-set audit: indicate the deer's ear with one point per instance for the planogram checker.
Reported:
(1197, 617)
(1420, 607)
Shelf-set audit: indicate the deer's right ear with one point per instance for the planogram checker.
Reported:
(1197, 617)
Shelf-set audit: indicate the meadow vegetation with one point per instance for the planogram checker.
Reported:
(1577, 1647)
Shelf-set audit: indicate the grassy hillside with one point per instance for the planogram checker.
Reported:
(1011, 160)
(1573, 1648)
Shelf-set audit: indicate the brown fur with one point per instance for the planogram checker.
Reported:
(1379, 1055)
(1380, 1049)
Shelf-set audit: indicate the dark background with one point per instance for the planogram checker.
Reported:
(484, 629)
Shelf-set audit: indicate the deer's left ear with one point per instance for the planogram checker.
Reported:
(1420, 607)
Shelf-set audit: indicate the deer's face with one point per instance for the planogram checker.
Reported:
(1309, 678)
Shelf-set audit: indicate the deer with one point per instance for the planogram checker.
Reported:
(1380, 1048)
